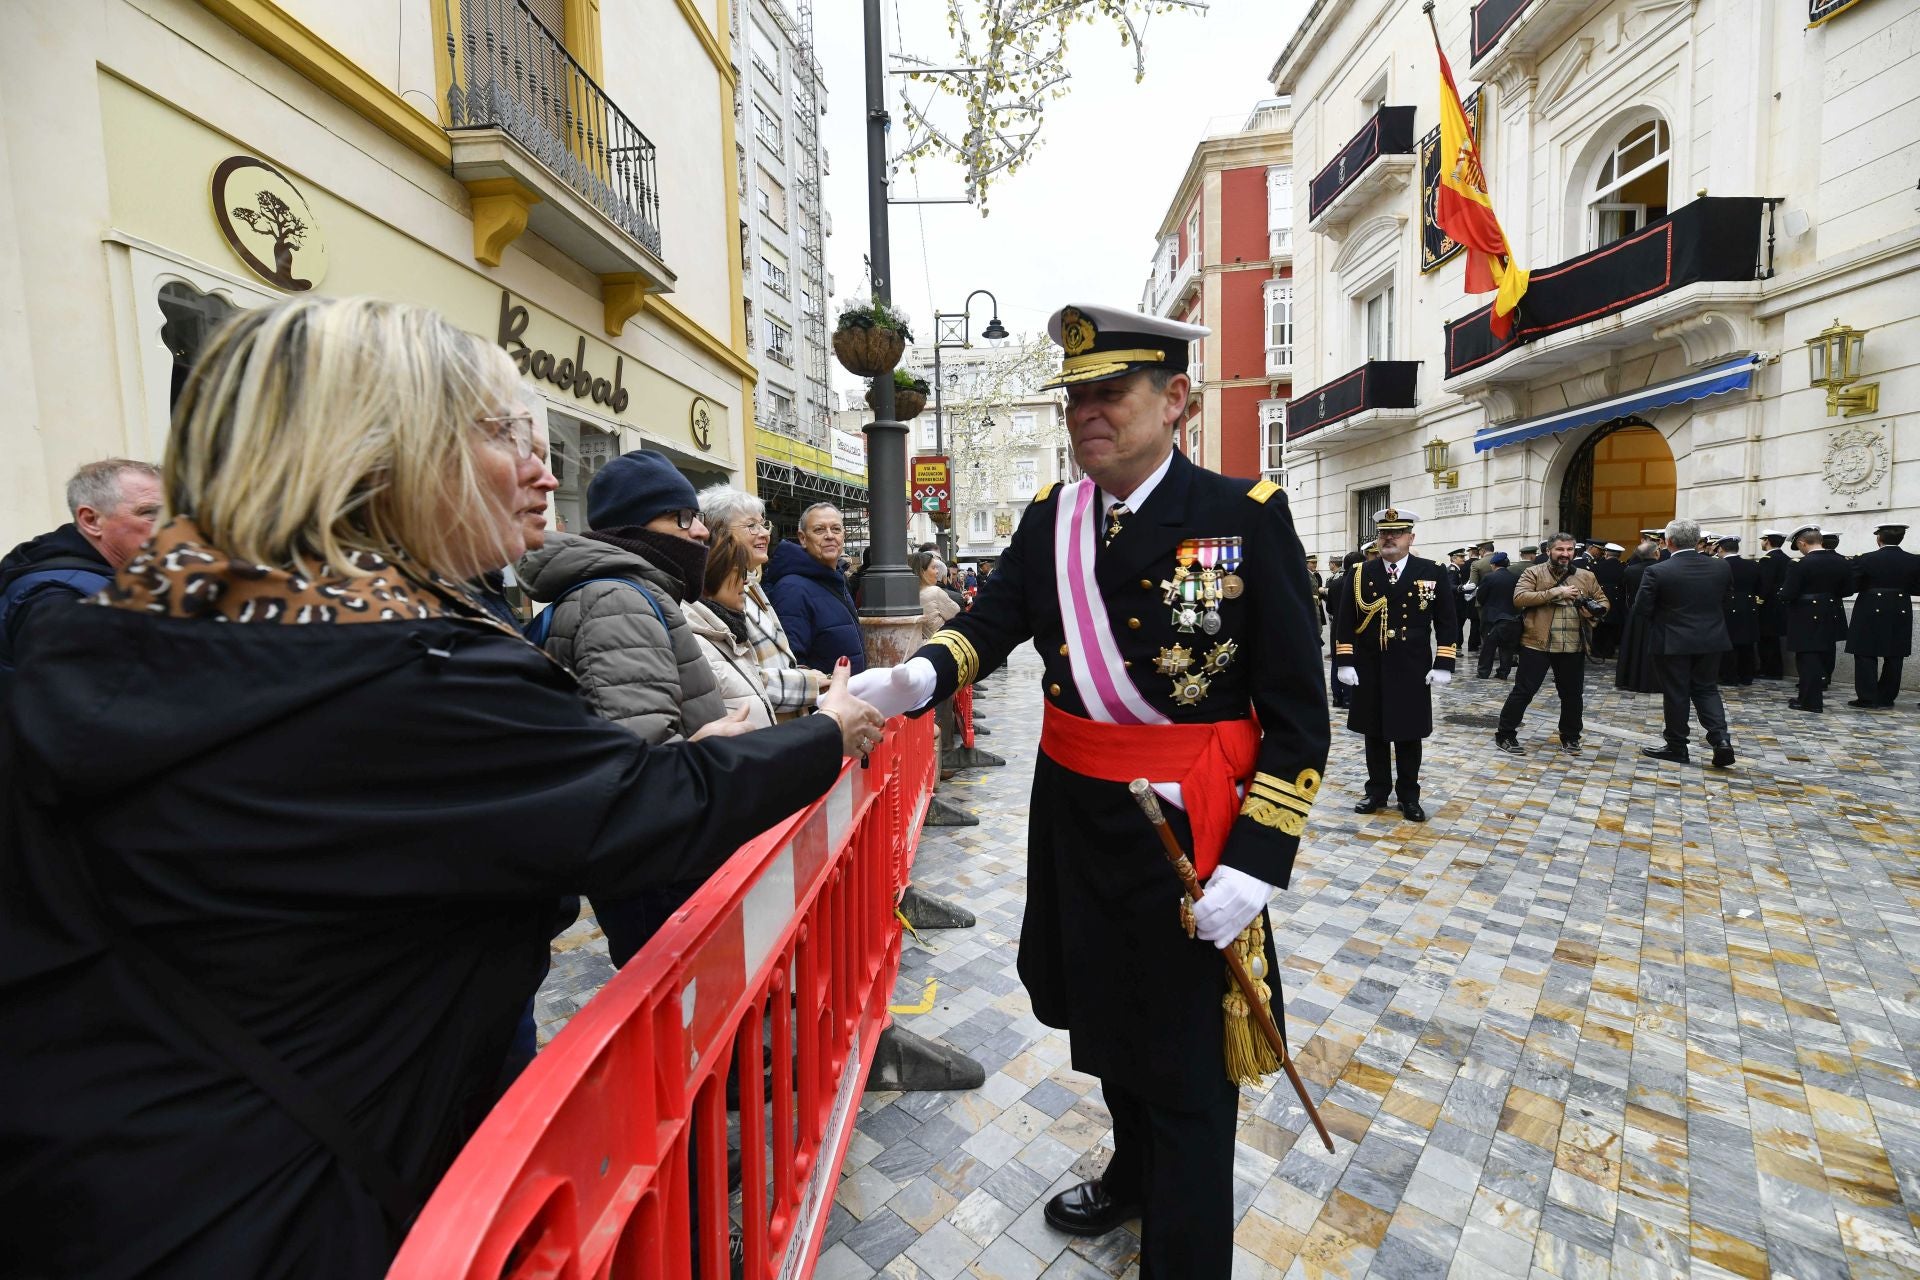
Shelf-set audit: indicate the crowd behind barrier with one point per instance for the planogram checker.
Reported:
(609, 1156)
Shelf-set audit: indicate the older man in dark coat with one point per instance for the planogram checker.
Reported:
(1881, 634)
(1682, 599)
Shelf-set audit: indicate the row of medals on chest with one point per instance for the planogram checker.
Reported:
(1204, 576)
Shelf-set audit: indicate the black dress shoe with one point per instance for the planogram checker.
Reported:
(1723, 756)
(1370, 804)
(1856, 702)
(1087, 1210)
(1674, 755)
(1412, 811)
(1793, 704)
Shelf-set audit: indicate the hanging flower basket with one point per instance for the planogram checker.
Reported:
(870, 338)
(909, 396)
(870, 353)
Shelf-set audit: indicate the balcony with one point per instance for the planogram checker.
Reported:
(1504, 29)
(1691, 277)
(1375, 160)
(1173, 296)
(1371, 401)
(1279, 362)
(1280, 244)
(541, 147)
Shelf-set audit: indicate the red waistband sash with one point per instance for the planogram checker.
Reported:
(1207, 760)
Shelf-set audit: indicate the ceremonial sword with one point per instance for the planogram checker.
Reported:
(1262, 1016)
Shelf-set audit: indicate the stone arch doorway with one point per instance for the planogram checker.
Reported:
(1620, 480)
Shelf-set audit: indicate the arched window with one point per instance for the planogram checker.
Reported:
(1630, 186)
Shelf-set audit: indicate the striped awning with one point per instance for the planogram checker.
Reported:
(1733, 375)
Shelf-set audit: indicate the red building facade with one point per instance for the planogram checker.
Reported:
(1224, 259)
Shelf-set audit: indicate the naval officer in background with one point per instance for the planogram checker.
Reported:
(1173, 612)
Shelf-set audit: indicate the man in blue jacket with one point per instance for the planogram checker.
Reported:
(114, 503)
(803, 581)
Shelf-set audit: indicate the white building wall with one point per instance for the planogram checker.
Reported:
(1827, 119)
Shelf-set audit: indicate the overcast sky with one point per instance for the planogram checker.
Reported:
(1077, 223)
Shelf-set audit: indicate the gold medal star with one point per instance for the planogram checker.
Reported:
(1174, 661)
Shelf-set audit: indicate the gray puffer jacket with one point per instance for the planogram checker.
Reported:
(652, 680)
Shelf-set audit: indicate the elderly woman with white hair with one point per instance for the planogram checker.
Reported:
(791, 688)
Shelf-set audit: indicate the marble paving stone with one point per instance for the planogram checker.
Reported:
(1596, 1018)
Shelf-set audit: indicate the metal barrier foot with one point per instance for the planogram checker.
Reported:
(942, 814)
(924, 911)
(968, 758)
(903, 1060)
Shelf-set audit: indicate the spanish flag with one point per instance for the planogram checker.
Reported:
(1465, 212)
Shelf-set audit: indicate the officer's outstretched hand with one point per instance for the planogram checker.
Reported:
(1346, 676)
(894, 691)
(1228, 903)
(1440, 677)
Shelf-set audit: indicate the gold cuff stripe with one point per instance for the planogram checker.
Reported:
(1269, 815)
(1307, 784)
(1343, 649)
(965, 656)
(1445, 651)
(1285, 802)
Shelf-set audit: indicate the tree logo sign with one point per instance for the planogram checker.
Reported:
(268, 222)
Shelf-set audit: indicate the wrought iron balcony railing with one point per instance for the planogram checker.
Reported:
(509, 72)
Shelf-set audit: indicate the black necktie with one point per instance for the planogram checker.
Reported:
(1118, 512)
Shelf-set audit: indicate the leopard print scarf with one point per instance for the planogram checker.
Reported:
(180, 575)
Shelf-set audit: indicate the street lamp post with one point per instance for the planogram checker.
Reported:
(890, 592)
(994, 331)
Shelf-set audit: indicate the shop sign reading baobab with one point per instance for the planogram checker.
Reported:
(569, 373)
(268, 223)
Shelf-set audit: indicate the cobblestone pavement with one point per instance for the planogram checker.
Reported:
(1597, 1018)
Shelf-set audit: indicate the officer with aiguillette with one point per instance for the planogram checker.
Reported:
(1880, 636)
(1172, 610)
(1397, 637)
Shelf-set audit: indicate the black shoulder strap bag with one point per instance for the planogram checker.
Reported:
(38, 836)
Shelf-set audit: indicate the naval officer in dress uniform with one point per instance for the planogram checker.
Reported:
(1817, 585)
(1398, 636)
(1772, 611)
(1880, 635)
(1173, 612)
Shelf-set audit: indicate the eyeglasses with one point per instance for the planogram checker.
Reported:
(756, 526)
(514, 430)
(684, 517)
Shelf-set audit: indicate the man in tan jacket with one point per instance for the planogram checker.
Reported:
(1558, 606)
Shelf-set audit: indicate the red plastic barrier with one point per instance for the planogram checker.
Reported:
(583, 1169)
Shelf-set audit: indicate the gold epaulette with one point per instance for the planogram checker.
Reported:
(1281, 805)
(1040, 494)
(965, 657)
(1262, 491)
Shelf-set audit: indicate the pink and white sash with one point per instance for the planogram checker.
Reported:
(1093, 655)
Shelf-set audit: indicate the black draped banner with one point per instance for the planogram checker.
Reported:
(1818, 11)
(1436, 247)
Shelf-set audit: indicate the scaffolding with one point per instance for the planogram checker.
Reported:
(816, 410)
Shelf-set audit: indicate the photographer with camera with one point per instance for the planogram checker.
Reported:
(1559, 606)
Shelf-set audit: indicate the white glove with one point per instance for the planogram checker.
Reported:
(1228, 903)
(1346, 675)
(1442, 678)
(894, 691)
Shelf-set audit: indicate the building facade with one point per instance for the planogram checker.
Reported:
(168, 162)
(778, 104)
(1699, 187)
(1223, 257)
